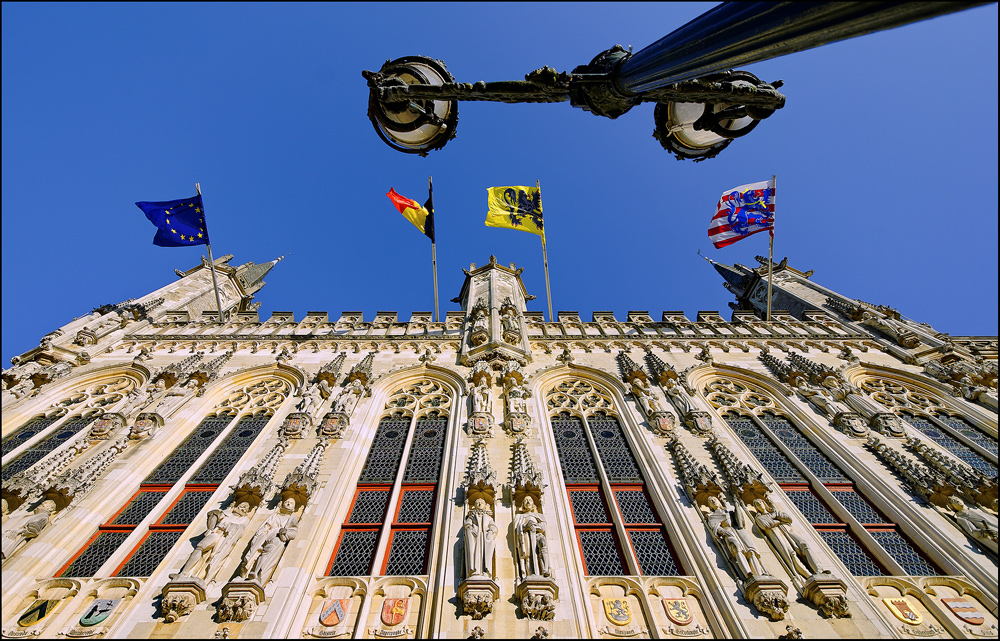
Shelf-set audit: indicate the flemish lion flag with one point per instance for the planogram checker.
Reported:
(515, 208)
(421, 217)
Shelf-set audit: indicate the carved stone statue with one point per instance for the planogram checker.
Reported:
(175, 396)
(818, 397)
(481, 401)
(480, 540)
(739, 545)
(268, 544)
(975, 523)
(224, 529)
(679, 398)
(645, 398)
(312, 398)
(23, 530)
(529, 536)
(792, 548)
(515, 400)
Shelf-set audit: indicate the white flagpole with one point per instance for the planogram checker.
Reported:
(434, 260)
(545, 257)
(211, 261)
(770, 254)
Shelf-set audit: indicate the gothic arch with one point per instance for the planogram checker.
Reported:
(54, 393)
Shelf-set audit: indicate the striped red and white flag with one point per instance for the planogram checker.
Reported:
(742, 212)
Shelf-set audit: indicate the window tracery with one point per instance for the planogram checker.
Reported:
(788, 454)
(605, 485)
(929, 415)
(251, 406)
(415, 418)
(81, 407)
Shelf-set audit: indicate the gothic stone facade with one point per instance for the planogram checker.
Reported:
(830, 473)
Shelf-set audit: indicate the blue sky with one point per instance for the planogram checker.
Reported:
(885, 153)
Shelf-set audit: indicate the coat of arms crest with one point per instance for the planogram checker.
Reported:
(678, 611)
(618, 611)
(98, 611)
(965, 610)
(902, 610)
(37, 611)
(334, 611)
(394, 610)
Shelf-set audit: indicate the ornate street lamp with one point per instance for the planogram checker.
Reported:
(701, 104)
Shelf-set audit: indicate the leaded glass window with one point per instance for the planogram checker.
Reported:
(407, 552)
(761, 430)
(653, 552)
(589, 440)
(858, 507)
(416, 506)
(424, 462)
(900, 549)
(850, 552)
(369, 506)
(138, 508)
(97, 551)
(415, 417)
(150, 553)
(600, 553)
(185, 454)
(355, 553)
(258, 396)
(962, 426)
(811, 507)
(386, 451)
(817, 463)
(187, 507)
(229, 452)
(959, 450)
(575, 458)
(21, 435)
(33, 454)
(773, 460)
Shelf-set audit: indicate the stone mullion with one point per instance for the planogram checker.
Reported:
(448, 482)
(382, 548)
(575, 579)
(873, 484)
(839, 510)
(961, 438)
(631, 561)
(41, 436)
(76, 412)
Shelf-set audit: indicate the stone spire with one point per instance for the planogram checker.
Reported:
(251, 275)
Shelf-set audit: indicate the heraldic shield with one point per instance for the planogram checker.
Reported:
(334, 611)
(98, 611)
(965, 610)
(394, 611)
(678, 611)
(902, 610)
(37, 611)
(618, 611)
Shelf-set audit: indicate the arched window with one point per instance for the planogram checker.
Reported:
(61, 422)
(617, 527)
(823, 492)
(388, 527)
(929, 415)
(251, 407)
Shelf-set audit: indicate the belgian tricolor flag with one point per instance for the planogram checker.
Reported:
(422, 217)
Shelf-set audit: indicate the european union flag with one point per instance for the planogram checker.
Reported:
(180, 223)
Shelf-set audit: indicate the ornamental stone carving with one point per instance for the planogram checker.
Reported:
(224, 529)
(18, 531)
(268, 544)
